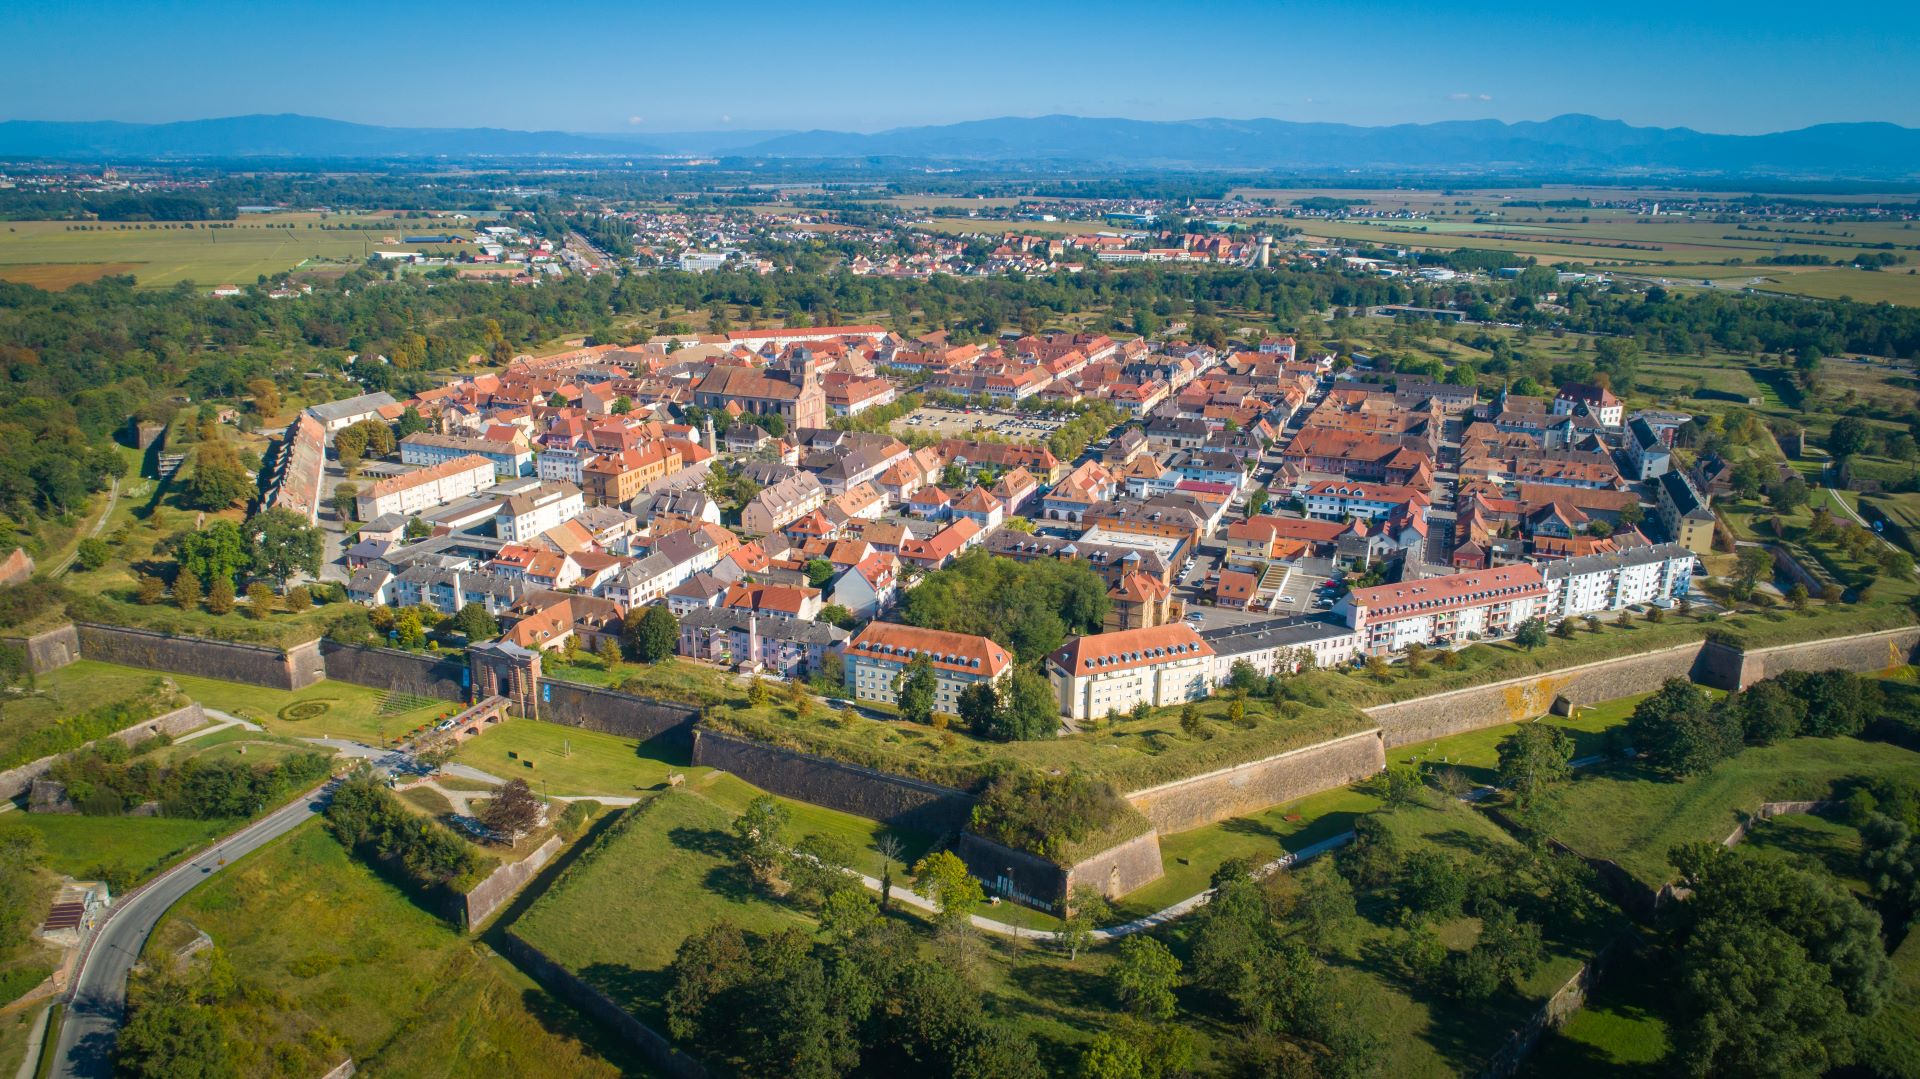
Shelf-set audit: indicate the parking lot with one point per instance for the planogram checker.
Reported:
(965, 423)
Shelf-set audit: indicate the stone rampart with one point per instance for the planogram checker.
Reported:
(48, 651)
(15, 782)
(1248, 788)
(890, 799)
(391, 669)
(1019, 876)
(1476, 707)
(505, 882)
(611, 712)
(569, 987)
(1120, 868)
(294, 668)
(1862, 654)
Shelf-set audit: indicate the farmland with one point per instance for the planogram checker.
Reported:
(55, 254)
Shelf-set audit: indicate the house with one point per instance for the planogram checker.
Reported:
(787, 648)
(1443, 610)
(942, 547)
(1339, 500)
(700, 592)
(1110, 673)
(1111, 561)
(980, 507)
(532, 512)
(1648, 452)
(1584, 398)
(1014, 489)
(1140, 601)
(773, 601)
(1235, 589)
(545, 620)
(1685, 512)
(878, 657)
(930, 504)
(868, 587)
(613, 479)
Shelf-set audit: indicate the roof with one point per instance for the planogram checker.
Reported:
(1236, 584)
(1260, 636)
(1103, 653)
(962, 653)
(1433, 594)
(1684, 496)
(352, 406)
(1600, 563)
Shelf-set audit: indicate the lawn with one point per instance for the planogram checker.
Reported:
(659, 875)
(1809, 840)
(332, 961)
(62, 695)
(1622, 812)
(81, 846)
(1617, 1033)
(350, 711)
(1890, 1041)
(237, 744)
(568, 760)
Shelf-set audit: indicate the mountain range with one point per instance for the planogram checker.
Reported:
(1572, 143)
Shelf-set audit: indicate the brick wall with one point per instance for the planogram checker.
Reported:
(1253, 786)
(890, 799)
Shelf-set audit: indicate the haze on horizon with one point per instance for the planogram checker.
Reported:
(599, 66)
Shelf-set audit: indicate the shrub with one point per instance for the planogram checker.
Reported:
(1045, 814)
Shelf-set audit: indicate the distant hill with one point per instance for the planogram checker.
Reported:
(1573, 143)
(289, 135)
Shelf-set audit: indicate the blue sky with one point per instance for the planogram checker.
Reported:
(647, 66)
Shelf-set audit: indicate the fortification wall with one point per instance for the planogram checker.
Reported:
(891, 799)
(1022, 877)
(294, 668)
(48, 651)
(1120, 868)
(1861, 654)
(16, 781)
(1248, 788)
(610, 712)
(564, 984)
(403, 672)
(505, 882)
(1476, 707)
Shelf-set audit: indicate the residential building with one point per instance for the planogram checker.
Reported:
(1281, 647)
(1589, 584)
(1110, 673)
(1339, 500)
(1685, 512)
(1647, 450)
(742, 639)
(942, 547)
(878, 657)
(529, 513)
(781, 504)
(613, 479)
(509, 459)
(422, 489)
(337, 416)
(1444, 610)
(1577, 398)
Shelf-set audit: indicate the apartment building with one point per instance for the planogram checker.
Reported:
(425, 488)
(1685, 512)
(1443, 610)
(1106, 673)
(1593, 583)
(877, 658)
(509, 459)
(529, 513)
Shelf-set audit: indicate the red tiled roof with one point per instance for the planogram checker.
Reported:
(959, 652)
(1103, 652)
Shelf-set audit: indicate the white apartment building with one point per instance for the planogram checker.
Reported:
(1278, 647)
(528, 514)
(1112, 672)
(422, 489)
(1607, 582)
(1443, 610)
(563, 465)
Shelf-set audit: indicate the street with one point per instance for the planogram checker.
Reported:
(99, 994)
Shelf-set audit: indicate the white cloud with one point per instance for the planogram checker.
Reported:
(636, 121)
(726, 119)
(1469, 97)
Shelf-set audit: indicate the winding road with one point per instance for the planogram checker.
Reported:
(99, 995)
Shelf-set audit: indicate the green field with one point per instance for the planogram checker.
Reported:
(332, 961)
(352, 711)
(81, 846)
(55, 254)
(1622, 813)
(65, 693)
(568, 760)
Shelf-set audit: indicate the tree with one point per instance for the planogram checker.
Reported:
(150, 590)
(284, 543)
(1534, 756)
(345, 501)
(976, 705)
(1770, 713)
(410, 423)
(1531, 634)
(1026, 709)
(214, 553)
(944, 879)
(1145, 977)
(651, 633)
(1752, 564)
(757, 831)
(1086, 909)
(219, 480)
(608, 653)
(915, 687)
(259, 600)
(186, 590)
(1243, 677)
(367, 438)
(171, 1038)
(1190, 722)
(298, 599)
(835, 614)
(266, 397)
(1325, 908)
(1680, 732)
(1565, 629)
(1798, 596)
(220, 597)
(475, 624)
(1849, 436)
(513, 811)
(819, 572)
(92, 553)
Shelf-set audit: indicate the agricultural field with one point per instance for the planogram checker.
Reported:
(331, 961)
(55, 254)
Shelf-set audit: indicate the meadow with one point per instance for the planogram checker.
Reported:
(55, 254)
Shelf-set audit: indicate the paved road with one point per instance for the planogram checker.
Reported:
(99, 996)
(1859, 520)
